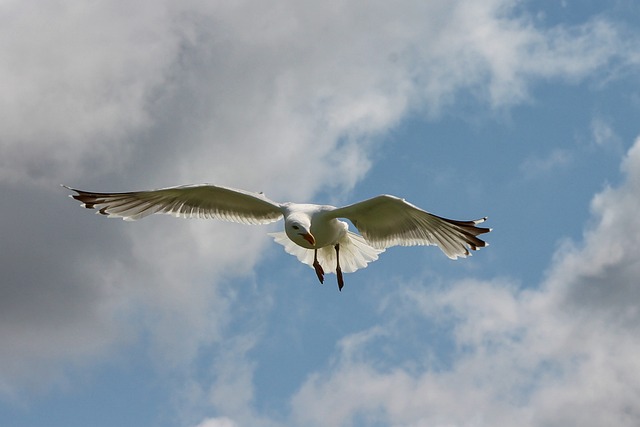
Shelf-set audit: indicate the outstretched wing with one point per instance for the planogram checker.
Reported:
(390, 221)
(188, 201)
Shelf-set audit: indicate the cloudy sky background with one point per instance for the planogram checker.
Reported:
(525, 111)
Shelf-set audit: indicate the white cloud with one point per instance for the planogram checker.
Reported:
(604, 135)
(281, 98)
(533, 167)
(217, 422)
(563, 353)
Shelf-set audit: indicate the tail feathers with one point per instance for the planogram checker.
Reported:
(355, 252)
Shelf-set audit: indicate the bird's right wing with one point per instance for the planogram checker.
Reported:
(189, 201)
(389, 221)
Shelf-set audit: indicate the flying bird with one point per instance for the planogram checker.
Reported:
(313, 233)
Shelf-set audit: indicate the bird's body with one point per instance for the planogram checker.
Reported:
(317, 220)
(313, 233)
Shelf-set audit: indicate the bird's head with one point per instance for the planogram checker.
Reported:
(299, 232)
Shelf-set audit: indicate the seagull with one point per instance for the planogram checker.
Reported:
(313, 233)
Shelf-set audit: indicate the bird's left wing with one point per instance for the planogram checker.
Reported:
(386, 221)
(189, 201)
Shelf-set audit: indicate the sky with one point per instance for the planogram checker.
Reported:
(522, 111)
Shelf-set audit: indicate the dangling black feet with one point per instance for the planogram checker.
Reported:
(338, 269)
(318, 267)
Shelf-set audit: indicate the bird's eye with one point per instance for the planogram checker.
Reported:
(295, 227)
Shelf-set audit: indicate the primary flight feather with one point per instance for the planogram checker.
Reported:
(313, 233)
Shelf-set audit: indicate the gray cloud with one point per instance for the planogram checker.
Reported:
(53, 305)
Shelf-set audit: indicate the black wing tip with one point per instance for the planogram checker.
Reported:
(471, 229)
(87, 199)
(470, 226)
(481, 230)
(478, 244)
(70, 189)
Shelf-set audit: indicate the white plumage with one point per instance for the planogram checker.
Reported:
(313, 233)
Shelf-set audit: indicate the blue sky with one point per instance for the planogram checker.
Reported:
(524, 111)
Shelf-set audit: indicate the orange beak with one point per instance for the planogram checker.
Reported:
(309, 238)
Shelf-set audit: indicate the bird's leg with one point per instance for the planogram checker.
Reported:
(338, 269)
(318, 267)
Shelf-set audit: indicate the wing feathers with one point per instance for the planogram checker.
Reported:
(390, 221)
(189, 201)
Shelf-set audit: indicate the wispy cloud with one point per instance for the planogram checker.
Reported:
(217, 422)
(540, 166)
(604, 135)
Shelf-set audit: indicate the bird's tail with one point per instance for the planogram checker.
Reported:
(355, 252)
